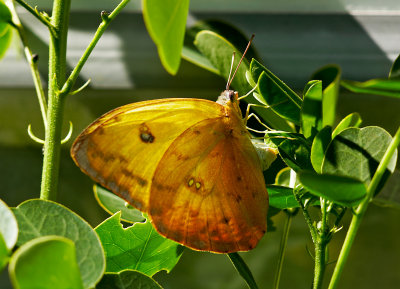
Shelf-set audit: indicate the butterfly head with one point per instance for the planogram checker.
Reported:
(229, 98)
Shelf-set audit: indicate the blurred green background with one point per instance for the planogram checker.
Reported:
(293, 42)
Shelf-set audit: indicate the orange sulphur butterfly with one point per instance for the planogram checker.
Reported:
(188, 163)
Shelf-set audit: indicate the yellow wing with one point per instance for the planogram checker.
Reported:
(122, 148)
(208, 191)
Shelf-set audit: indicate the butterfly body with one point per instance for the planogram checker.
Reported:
(188, 163)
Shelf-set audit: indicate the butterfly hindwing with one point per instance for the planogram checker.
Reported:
(208, 191)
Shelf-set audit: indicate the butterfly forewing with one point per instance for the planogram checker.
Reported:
(121, 149)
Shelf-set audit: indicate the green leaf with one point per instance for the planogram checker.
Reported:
(281, 197)
(356, 153)
(111, 203)
(46, 262)
(138, 247)
(5, 14)
(384, 87)
(4, 253)
(395, 69)
(390, 195)
(330, 76)
(341, 190)
(8, 226)
(352, 120)
(38, 218)
(166, 23)
(127, 279)
(293, 149)
(5, 38)
(311, 109)
(319, 147)
(284, 101)
(218, 51)
(283, 177)
(243, 270)
(229, 32)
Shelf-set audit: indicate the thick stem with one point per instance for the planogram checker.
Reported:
(320, 264)
(57, 64)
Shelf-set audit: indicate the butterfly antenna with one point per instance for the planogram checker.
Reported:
(230, 71)
(240, 61)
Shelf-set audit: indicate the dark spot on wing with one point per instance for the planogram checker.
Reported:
(145, 134)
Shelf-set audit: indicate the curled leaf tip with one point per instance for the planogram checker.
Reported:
(68, 136)
(33, 137)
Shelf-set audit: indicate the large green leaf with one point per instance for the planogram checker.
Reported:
(111, 203)
(127, 279)
(311, 109)
(166, 23)
(38, 218)
(319, 147)
(8, 226)
(281, 197)
(138, 247)
(218, 51)
(351, 120)
(341, 190)
(356, 153)
(330, 77)
(283, 100)
(227, 31)
(384, 87)
(47, 262)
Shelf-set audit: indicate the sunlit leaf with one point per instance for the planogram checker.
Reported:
(281, 197)
(166, 23)
(352, 120)
(283, 100)
(356, 153)
(319, 147)
(330, 77)
(111, 203)
(384, 87)
(311, 109)
(227, 31)
(341, 190)
(8, 226)
(127, 279)
(37, 218)
(138, 247)
(47, 262)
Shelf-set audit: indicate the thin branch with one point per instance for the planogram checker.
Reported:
(106, 20)
(37, 14)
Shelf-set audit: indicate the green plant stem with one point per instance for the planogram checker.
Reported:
(306, 215)
(35, 13)
(57, 66)
(31, 61)
(106, 20)
(320, 244)
(282, 249)
(360, 211)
